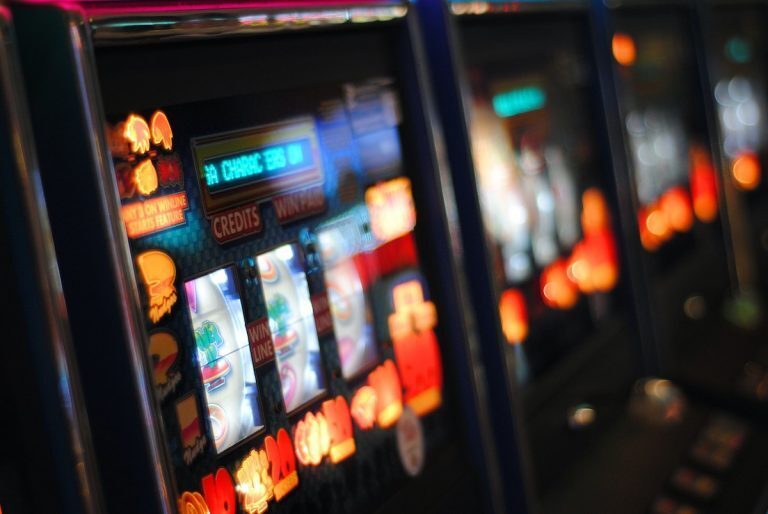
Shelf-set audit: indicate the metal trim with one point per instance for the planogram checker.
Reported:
(120, 257)
(114, 26)
(49, 286)
(469, 9)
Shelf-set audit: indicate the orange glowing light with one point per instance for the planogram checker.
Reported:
(412, 312)
(192, 503)
(283, 463)
(514, 316)
(593, 265)
(363, 407)
(557, 290)
(158, 272)
(594, 214)
(703, 185)
(389, 395)
(391, 209)
(336, 412)
(746, 171)
(676, 206)
(161, 130)
(311, 439)
(136, 131)
(624, 50)
(219, 492)
(149, 216)
(145, 176)
(657, 224)
(254, 482)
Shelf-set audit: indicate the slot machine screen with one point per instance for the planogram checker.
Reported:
(662, 109)
(305, 334)
(542, 188)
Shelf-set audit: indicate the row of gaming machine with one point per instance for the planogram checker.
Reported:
(373, 256)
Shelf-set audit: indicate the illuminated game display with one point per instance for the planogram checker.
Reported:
(224, 358)
(292, 325)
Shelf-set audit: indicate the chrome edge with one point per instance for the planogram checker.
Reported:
(120, 256)
(50, 290)
(114, 27)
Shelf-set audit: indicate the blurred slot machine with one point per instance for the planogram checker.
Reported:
(554, 257)
(256, 257)
(695, 259)
(540, 226)
(736, 55)
(46, 462)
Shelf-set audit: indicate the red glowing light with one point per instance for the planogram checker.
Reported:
(389, 395)
(283, 463)
(703, 185)
(514, 316)
(594, 265)
(594, 213)
(161, 130)
(557, 290)
(418, 359)
(219, 492)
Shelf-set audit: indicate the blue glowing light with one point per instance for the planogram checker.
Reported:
(254, 165)
(518, 101)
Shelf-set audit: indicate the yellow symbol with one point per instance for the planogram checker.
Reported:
(164, 349)
(159, 272)
(137, 133)
(254, 482)
(161, 130)
(391, 209)
(145, 176)
(193, 503)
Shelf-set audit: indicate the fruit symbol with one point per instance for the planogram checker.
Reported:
(136, 131)
(158, 272)
(208, 340)
(216, 335)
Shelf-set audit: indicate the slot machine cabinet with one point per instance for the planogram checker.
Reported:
(736, 64)
(255, 250)
(520, 100)
(707, 326)
(46, 462)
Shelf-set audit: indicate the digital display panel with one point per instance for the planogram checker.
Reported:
(250, 166)
(257, 163)
(350, 308)
(224, 357)
(292, 325)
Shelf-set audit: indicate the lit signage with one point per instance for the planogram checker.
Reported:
(193, 503)
(254, 482)
(219, 492)
(150, 216)
(391, 209)
(159, 272)
(256, 163)
(388, 392)
(247, 167)
(326, 433)
(283, 463)
(514, 316)
(519, 101)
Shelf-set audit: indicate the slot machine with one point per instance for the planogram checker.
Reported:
(564, 306)
(256, 256)
(46, 464)
(735, 58)
(702, 277)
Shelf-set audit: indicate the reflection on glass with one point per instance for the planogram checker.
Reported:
(350, 309)
(292, 324)
(224, 357)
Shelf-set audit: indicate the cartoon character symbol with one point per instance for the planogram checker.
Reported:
(161, 130)
(145, 176)
(189, 421)
(164, 350)
(158, 272)
(208, 341)
(136, 131)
